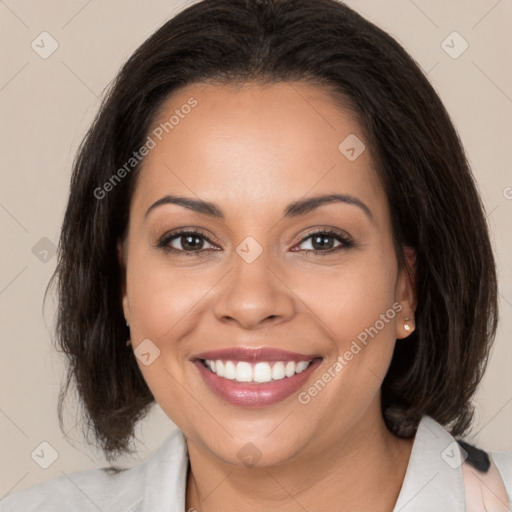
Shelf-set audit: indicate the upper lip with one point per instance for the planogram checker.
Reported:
(253, 354)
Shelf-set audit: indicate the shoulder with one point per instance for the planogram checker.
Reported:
(487, 476)
(96, 489)
(503, 461)
(483, 461)
(84, 491)
(487, 486)
(444, 469)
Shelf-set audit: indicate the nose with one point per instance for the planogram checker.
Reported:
(253, 295)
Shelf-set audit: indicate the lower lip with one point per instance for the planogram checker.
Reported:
(253, 394)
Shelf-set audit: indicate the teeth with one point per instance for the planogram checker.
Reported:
(258, 372)
(229, 370)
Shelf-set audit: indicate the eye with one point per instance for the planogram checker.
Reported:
(188, 242)
(192, 243)
(322, 242)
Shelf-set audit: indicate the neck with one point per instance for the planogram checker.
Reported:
(363, 470)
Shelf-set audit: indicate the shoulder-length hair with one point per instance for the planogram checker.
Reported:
(435, 206)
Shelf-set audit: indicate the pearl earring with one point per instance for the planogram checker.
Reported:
(408, 327)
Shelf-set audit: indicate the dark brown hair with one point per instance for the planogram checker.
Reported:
(435, 206)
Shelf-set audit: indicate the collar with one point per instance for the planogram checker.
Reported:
(166, 476)
(433, 480)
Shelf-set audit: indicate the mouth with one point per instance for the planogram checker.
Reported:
(260, 372)
(253, 354)
(255, 377)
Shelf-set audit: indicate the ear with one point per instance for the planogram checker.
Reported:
(406, 294)
(121, 256)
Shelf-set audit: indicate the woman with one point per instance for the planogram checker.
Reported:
(275, 210)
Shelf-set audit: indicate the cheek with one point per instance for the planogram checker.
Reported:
(160, 299)
(159, 296)
(355, 303)
(351, 297)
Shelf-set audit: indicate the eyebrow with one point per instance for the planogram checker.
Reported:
(295, 209)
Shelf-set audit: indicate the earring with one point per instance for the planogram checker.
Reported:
(408, 327)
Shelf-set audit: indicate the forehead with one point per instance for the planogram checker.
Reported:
(256, 144)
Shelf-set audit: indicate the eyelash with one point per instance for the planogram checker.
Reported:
(164, 242)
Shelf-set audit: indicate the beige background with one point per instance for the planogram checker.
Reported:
(46, 106)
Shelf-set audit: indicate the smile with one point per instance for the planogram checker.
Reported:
(263, 371)
(255, 384)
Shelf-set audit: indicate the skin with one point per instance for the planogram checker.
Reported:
(252, 150)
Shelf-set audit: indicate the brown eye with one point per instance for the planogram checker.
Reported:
(184, 241)
(323, 242)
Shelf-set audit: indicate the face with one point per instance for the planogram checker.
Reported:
(263, 266)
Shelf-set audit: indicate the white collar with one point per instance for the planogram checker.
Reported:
(433, 480)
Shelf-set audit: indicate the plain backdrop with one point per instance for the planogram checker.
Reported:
(47, 104)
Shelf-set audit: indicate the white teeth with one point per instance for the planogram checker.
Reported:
(243, 372)
(290, 369)
(262, 372)
(258, 372)
(301, 366)
(229, 370)
(278, 371)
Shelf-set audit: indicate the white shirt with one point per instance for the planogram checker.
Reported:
(433, 481)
